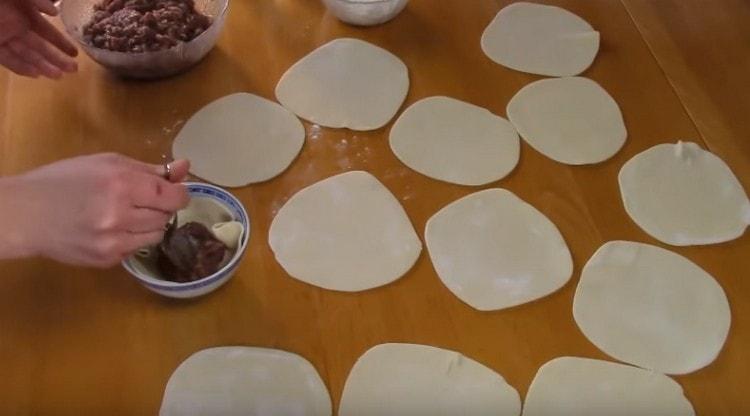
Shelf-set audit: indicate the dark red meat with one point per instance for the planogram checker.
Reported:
(189, 253)
(143, 25)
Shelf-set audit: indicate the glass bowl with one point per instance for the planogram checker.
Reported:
(146, 65)
(365, 12)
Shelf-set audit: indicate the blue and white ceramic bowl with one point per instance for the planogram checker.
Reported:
(209, 283)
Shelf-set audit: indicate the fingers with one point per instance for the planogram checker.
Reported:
(13, 21)
(33, 57)
(48, 32)
(111, 250)
(147, 187)
(45, 6)
(135, 241)
(177, 172)
(156, 193)
(40, 55)
(16, 64)
(143, 220)
(35, 42)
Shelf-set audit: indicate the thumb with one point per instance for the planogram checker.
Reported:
(45, 6)
(179, 170)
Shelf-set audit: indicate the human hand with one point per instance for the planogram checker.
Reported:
(90, 210)
(29, 44)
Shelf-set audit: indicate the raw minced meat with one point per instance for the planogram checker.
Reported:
(144, 25)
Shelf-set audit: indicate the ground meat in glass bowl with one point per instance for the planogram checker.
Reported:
(143, 25)
(77, 16)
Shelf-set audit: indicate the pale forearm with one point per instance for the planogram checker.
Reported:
(15, 221)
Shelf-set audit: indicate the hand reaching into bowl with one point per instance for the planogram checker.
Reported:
(89, 210)
(29, 44)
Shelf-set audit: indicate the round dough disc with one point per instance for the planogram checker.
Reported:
(408, 379)
(227, 381)
(494, 251)
(538, 39)
(650, 307)
(683, 195)
(571, 120)
(345, 83)
(454, 141)
(346, 233)
(571, 386)
(240, 139)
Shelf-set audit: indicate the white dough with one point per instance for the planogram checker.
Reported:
(570, 120)
(571, 386)
(346, 233)
(650, 307)
(539, 39)
(229, 233)
(240, 139)
(454, 141)
(345, 83)
(205, 211)
(494, 251)
(683, 195)
(415, 380)
(229, 381)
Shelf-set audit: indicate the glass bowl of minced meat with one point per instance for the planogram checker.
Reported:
(145, 39)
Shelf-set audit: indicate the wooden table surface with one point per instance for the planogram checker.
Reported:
(78, 341)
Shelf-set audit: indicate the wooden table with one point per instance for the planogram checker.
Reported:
(77, 341)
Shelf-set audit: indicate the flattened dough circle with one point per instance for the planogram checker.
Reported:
(240, 139)
(226, 381)
(494, 251)
(572, 386)
(539, 39)
(345, 83)
(683, 195)
(409, 379)
(454, 141)
(570, 120)
(650, 307)
(346, 233)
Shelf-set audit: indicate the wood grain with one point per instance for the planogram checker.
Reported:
(77, 341)
(704, 50)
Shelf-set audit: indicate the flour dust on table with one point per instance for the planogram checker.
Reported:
(650, 307)
(240, 139)
(493, 250)
(457, 142)
(572, 386)
(346, 83)
(539, 39)
(228, 381)
(683, 195)
(345, 233)
(570, 120)
(409, 379)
